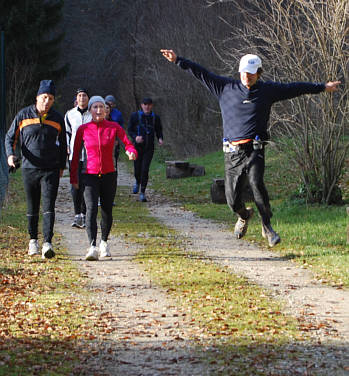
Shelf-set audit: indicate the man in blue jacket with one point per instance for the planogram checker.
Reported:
(40, 131)
(143, 126)
(245, 106)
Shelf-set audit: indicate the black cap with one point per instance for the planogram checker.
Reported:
(147, 101)
(46, 87)
(82, 90)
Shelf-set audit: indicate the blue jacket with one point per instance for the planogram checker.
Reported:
(116, 115)
(246, 112)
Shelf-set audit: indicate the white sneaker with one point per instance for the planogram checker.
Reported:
(47, 251)
(33, 247)
(104, 249)
(92, 254)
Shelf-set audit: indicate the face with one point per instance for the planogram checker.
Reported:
(82, 100)
(97, 111)
(107, 110)
(44, 102)
(248, 79)
(110, 104)
(147, 108)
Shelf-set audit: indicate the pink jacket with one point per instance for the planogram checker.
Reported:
(98, 140)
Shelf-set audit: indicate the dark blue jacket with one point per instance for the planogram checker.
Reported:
(43, 142)
(246, 112)
(146, 126)
(116, 115)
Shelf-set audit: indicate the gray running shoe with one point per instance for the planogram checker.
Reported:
(77, 221)
(83, 220)
(272, 237)
(242, 224)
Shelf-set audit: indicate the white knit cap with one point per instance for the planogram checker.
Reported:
(94, 99)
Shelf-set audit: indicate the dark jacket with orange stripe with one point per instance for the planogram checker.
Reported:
(42, 141)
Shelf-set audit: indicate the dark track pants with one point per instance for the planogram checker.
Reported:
(243, 168)
(105, 188)
(78, 195)
(39, 183)
(142, 165)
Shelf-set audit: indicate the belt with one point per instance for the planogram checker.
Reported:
(228, 147)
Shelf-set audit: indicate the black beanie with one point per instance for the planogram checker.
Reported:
(47, 87)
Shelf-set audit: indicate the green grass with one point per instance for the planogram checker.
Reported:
(312, 235)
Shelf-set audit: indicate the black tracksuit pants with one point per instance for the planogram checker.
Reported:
(103, 187)
(242, 168)
(142, 165)
(78, 195)
(40, 183)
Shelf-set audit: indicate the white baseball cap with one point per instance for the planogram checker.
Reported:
(250, 63)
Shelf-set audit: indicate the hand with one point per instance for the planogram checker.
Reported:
(332, 86)
(161, 141)
(75, 186)
(169, 55)
(131, 156)
(11, 161)
(61, 172)
(139, 139)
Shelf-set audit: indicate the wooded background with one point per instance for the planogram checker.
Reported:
(113, 47)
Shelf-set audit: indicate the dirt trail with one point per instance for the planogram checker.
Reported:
(151, 334)
(295, 285)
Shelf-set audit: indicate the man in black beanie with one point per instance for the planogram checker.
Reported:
(40, 132)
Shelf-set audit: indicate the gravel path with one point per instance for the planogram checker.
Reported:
(149, 334)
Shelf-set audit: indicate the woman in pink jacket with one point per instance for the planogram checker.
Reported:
(98, 172)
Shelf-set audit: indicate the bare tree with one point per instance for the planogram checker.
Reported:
(18, 78)
(305, 40)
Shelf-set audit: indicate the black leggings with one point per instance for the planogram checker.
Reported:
(78, 195)
(243, 168)
(142, 165)
(105, 188)
(35, 182)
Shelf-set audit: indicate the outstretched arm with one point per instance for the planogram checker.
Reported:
(332, 86)
(170, 55)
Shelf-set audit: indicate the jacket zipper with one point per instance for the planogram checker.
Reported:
(99, 151)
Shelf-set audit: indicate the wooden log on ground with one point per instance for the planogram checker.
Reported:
(182, 169)
(197, 170)
(218, 192)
